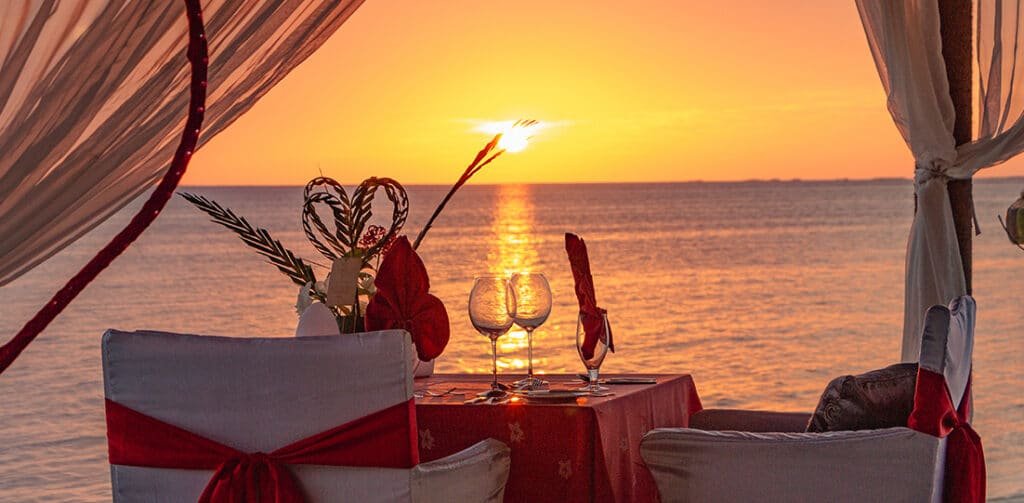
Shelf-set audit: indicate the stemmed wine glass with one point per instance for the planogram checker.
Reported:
(530, 306)
(597, 353)
(488, 311)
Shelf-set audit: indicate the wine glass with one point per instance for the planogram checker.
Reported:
(488, 311)
(530, 307)
(597, 352)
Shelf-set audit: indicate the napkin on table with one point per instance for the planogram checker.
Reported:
(591, 315)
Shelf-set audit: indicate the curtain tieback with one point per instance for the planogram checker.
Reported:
(923, 175)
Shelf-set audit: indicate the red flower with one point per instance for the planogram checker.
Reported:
(371, 236)
(387, 246)
(403, 301)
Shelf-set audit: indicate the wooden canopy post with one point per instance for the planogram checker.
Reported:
(955, 19)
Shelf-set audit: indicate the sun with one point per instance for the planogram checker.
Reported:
(514, 137)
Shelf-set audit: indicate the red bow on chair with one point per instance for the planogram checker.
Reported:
(935, 415)
(383, 439)
(403, 300)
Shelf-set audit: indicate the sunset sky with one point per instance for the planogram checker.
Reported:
(651, 91)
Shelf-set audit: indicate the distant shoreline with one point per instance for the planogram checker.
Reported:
(687, 182)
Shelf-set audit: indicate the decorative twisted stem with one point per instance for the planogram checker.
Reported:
(351, 215)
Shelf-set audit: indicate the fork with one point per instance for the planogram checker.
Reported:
(433, 394)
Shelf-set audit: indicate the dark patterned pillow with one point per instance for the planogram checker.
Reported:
(878, 399)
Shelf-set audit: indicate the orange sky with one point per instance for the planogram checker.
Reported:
(646, 91)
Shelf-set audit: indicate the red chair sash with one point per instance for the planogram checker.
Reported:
(385, 439)
(935, 415)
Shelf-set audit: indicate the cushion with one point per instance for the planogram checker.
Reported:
(877, 399)
(749, 420)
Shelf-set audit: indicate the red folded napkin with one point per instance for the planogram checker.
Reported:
(403, 300)
(591, 315)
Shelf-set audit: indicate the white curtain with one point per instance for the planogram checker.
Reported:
(907, 48)
(93, 96)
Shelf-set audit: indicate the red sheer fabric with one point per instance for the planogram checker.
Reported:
(93, 95)
(935, 415)
(403, 300)
(385, 439)
(591, 316)
(197, 56)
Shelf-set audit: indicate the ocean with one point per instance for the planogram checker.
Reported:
(764, 291)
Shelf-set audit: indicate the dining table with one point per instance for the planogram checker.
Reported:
(580, 449)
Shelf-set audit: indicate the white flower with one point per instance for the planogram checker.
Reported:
(366, 284)
(304, 300)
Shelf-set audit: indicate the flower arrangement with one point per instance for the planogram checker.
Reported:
(356, 249)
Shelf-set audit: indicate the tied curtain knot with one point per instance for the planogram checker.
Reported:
(935, 171)
(938, 171)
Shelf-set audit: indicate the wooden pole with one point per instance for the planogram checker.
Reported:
(957, 41)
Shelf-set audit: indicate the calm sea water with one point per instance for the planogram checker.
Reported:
(763, 291)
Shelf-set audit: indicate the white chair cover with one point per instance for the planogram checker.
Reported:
(317, 319)
(892, 464)
(948, 343)
(960, 347)
(258, 394)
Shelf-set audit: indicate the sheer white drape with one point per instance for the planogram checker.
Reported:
(907, 48)
(1000, 49)
(93, 96)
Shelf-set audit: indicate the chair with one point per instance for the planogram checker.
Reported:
(259, 394)
(891, 464)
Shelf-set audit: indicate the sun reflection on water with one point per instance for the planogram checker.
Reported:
(514, 250)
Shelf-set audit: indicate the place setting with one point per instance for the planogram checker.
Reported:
(524, 299)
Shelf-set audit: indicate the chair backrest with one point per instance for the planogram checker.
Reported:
(258, 394)
(892, 464)
(947, 343)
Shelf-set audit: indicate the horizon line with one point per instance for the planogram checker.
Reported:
(653, 182)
